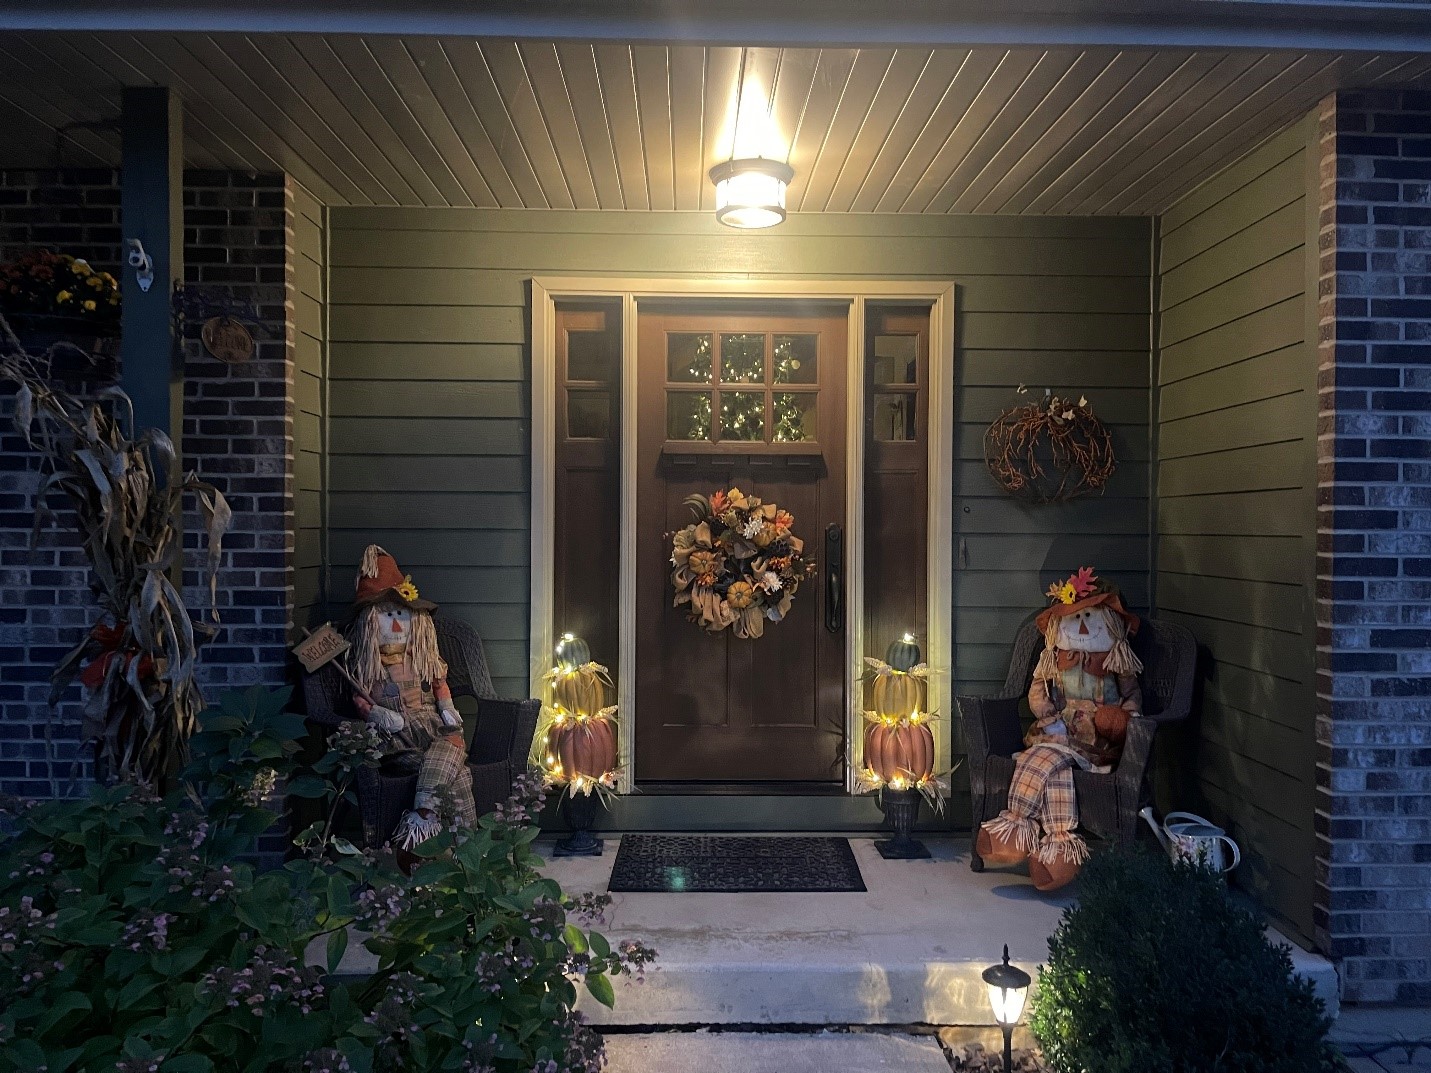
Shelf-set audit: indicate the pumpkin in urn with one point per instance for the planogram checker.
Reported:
(584, 746)
(900, 751)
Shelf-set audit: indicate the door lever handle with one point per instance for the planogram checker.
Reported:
(834, 578)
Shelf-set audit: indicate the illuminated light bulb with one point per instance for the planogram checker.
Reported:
(750, 193)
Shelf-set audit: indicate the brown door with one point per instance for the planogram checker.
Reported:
(756, 401)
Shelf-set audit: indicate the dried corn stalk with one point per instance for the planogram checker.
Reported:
(138, 660)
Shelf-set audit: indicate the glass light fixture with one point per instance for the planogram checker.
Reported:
(1008, 987)
(751, 192)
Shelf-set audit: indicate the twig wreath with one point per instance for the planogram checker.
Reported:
(738, 565)
(1028, 448)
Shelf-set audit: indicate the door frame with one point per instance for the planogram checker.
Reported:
(938, 295)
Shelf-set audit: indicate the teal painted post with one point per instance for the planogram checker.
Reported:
(151, 210)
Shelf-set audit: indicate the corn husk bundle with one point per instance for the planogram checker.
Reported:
(138, 660)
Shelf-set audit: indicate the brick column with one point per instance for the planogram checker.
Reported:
(238, 434)
(1373, 906)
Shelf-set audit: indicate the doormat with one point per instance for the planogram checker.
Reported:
(734, 864)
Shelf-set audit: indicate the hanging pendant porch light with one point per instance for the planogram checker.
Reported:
(750, 192)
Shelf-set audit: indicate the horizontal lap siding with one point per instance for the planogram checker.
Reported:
(430, 385)
(310, 407)
(1236, 512)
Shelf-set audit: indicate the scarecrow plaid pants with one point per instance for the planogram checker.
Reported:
(444, 773)
(1041, 796)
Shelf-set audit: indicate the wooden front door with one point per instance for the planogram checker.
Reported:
(755, 401)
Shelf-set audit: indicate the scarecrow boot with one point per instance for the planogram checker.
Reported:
(1062, 852)
(1058, 872)
(1001, 849)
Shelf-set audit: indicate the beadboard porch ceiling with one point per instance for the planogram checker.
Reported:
(441, 121)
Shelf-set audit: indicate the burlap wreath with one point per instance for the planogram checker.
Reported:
(738, 565)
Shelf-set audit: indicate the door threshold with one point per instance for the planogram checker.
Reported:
(742, 789)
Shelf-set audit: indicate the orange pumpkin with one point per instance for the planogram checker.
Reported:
(894, 694)
(906, 749)
(583, 746)
(581, 691)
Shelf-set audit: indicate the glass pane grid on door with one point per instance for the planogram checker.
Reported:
(763, 387)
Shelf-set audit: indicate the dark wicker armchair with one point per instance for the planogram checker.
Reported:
(1107, 803)
(497, 754)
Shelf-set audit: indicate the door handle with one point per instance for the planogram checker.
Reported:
(834, 578)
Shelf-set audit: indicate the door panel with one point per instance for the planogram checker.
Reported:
(713, 707)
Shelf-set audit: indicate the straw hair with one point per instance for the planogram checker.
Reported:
(420, 654)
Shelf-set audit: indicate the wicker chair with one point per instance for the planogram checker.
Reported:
(1107, 803)
(497, 754)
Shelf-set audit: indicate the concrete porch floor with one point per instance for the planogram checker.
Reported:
(908, 951)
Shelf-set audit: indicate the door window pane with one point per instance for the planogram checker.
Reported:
(795, 416)
(688, 415)
(588, 356)
(588, 415)
(894, 417)
(795, 358)
(742, 415)
(742, 358)
(896, 359)
(688, 358)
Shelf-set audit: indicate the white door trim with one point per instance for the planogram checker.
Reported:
(939, 294)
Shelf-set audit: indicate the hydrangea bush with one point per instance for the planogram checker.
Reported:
(136, 936)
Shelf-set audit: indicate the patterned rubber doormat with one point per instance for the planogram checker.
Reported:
(733, 864)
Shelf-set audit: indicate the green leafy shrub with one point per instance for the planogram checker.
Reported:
(135, 937)
(1156, 970)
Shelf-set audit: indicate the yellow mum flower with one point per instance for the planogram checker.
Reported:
(63, 296)
(407, 590)
(89, 306)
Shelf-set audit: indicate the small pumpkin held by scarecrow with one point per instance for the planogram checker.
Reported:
(395, 660)
(1084, 691)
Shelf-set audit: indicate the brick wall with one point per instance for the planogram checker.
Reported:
(1373, 910)
(238, 433)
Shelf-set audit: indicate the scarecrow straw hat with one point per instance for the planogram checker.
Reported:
(380, 581)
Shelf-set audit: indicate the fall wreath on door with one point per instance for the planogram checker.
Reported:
(738, 565)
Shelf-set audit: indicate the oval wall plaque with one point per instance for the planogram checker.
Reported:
(227, 339)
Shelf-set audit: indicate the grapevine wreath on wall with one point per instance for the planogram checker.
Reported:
(1050, 451)
(738, 565)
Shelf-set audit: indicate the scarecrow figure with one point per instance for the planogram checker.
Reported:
(1084, 691)
(395, 660)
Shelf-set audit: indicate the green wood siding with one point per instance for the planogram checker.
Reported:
(430, 386)
(310, 390)
(1236, 508)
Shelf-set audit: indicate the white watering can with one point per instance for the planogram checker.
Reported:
(1188, 837)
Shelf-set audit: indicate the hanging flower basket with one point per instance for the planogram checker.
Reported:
(1051, 451)
(57, 305)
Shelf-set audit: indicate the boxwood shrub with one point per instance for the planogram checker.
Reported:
(1158, 970)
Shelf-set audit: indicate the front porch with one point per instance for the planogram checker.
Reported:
(1221, 243)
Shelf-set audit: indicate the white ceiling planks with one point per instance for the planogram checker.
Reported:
(572, 125)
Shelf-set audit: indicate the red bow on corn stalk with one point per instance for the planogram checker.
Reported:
(110, 640)
(143, 698)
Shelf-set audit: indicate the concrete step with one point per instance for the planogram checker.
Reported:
(772, 1052)
(910, 950)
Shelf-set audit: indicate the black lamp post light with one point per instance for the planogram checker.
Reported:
(1008, 988)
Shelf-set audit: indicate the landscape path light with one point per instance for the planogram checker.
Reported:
(1008, 988)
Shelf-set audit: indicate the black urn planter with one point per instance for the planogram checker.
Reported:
(901, 809)
(579, 811)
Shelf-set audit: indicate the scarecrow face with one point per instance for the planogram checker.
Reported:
(394, 624)
(1087, 630)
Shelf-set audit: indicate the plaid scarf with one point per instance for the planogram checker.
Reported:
(1041, 796)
